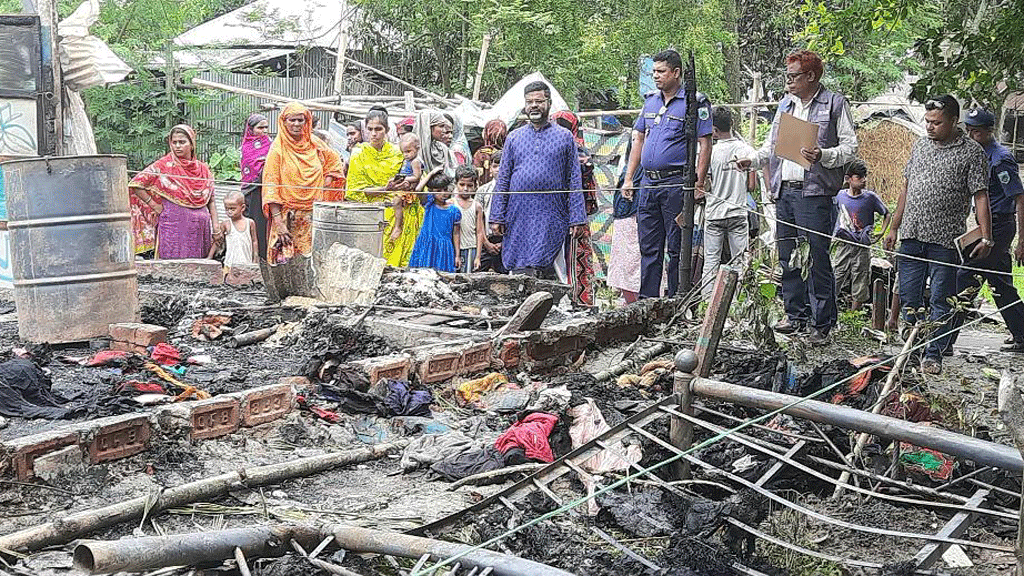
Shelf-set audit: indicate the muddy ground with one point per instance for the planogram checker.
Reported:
(377, 494)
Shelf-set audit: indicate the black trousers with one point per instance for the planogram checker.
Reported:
(1000, 259)
(812, 301)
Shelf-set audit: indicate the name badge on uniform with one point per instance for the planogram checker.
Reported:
(649, 115)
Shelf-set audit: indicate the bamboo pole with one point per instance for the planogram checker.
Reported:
(62, 530)
(890, 383)
(313, 105)
(484, 47)
(155, 552)
(435, 97)
(365, 540)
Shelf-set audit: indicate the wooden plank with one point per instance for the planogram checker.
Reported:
(955, 528)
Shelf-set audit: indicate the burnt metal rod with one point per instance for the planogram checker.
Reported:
(835, 449)
(986, 453)
(967, 476)
(789, 459)
(817, 515)
(955, 527)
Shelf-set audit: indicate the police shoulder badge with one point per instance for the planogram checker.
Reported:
(702, 113)
(1004, 177)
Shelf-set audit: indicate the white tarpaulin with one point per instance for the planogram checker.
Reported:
(509, 105)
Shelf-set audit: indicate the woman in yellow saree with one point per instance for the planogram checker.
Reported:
(371, 179)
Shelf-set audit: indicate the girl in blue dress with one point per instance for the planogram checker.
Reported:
(435, 245)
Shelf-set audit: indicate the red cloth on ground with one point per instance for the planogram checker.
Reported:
(165, 354)
(530, 434)
(106, 357)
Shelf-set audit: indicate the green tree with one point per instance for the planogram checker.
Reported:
(971, 48)
(579, 47)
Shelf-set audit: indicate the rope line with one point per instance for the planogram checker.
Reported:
(700, 446)
(765, 215)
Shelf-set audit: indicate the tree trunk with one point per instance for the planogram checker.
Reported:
(443, 67)
(731, 51)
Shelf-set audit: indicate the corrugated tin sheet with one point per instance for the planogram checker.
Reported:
(86, 60)
(299, 23)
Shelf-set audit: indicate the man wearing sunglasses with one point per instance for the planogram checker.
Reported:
(659, 147)
(945, 171)
(805, 198)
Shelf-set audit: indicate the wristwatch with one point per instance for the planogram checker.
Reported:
(988, 242)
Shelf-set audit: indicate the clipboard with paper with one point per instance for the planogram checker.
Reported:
(793, 135)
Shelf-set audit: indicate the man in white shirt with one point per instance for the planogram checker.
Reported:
(725, 215)
(805, 198)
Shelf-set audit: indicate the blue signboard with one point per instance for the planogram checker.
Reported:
(647, 76)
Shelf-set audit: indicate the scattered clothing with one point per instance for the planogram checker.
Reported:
(588, 423)
(934, 464)
(431, 448)
(402, 400)
(531, 435)
(434, 247)
(25, 392)
(165, 354)
(471, 391)
(467, 464)
(107, 358)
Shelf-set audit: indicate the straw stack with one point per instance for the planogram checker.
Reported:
(885, 147)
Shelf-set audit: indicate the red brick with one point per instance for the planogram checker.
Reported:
(149, 335)
(610, 331)
(511, 350)
(123, 332)
(243, 275)
(476, 358)
(391, 367)
(118, 437)
(214, 417)
(128, 347)
(64, 463)
(265, 404)
(24, 451)
(549, 349)
(438, 367)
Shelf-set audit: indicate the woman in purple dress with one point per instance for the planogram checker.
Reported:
(177, 191)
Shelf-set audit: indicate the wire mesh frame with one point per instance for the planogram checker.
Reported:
(666, 408)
